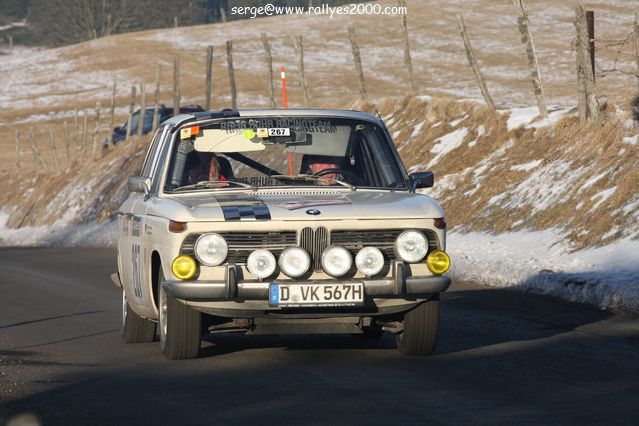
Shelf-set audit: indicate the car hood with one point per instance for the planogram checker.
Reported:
(302, 205)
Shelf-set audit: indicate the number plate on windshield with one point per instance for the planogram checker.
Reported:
(316, 295)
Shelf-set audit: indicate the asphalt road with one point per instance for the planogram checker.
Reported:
(503, 358)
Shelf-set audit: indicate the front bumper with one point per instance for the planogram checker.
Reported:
(233, 287)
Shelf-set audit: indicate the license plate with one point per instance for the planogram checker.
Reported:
(316, 295)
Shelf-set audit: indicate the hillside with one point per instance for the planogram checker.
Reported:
(41, 88)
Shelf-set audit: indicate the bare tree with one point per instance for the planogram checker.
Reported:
(83, 19)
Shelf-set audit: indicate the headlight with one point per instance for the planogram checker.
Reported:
(438, 262)
(261, 263)
(336, 261)
(411, 246)
(294, 262)
(369, 261)
(211, 249)
(184, 267)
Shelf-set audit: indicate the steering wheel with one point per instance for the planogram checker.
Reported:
(345, 173)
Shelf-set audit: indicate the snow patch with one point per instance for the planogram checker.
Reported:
(606, 276)
(59, 234)
(418, 129)
(526, 167)
(520, 116)
(602, 196)
(447, 143)
(631, 140)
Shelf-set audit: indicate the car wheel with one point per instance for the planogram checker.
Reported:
(421, 324)
(180, 327)
(135, 329)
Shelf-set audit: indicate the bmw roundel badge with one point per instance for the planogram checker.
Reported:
(313, 212)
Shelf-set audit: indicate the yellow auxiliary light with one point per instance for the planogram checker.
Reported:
(184, 267)
(438, 262)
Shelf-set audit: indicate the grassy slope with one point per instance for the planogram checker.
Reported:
(477, 186)
(46, 87)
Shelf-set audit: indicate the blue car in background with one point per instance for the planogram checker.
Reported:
(164, 113)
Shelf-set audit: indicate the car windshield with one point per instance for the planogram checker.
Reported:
(148, 122)
(282, 151)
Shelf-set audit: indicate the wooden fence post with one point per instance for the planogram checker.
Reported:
(535, 74)
(223, 14)
(54, 151)
(112, 112)
(176, 85)
(96, 129)
(175, 22)
(209, 77)
(37, 157)
(10, 44)
(584, 66)
(474, 65)
(269, 69)
(408, 62)
(75, 128)
(229, 60)
(299, 52)
(590, 25)
(85, 134)
(156, 107)
(67, 142)
(142, 116)
(358, 63)
(129, 122)
(18, 149)
(637, 44)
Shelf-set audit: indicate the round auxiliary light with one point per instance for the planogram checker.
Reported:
(211, 249)
(369, 261)
(184, 267)
(336, 261)
(261, 263)
(438, 262)
(294, 262)
(411, 246)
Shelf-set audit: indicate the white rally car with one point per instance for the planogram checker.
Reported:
(271, 221)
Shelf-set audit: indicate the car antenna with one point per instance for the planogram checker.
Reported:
(378, 114)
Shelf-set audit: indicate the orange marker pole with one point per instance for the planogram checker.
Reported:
(285, 104)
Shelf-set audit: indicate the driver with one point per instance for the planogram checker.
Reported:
(314, 164)
(208, 169)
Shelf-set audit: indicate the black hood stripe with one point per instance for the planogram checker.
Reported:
(245, 208)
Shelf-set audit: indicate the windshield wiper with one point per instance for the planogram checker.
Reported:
(214, 184)
(311, 178)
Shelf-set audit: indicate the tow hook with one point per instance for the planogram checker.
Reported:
(392, 326)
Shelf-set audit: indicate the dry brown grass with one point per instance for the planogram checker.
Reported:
(586, 152)
(85, 191)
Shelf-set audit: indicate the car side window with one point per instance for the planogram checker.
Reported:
(151, 154)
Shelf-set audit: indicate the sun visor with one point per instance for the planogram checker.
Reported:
(219, 140)
(329, 143)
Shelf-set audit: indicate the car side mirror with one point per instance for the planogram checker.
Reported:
(116, 129)
(422, 180)
(139, 184)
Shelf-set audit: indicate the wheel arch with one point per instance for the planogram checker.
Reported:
(156, 264)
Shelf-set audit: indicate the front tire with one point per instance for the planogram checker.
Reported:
(180, 326)
(421, 325)
(135, 329)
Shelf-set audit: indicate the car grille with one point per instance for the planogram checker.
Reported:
(313, 240)
(241, 244)
(383, 239)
